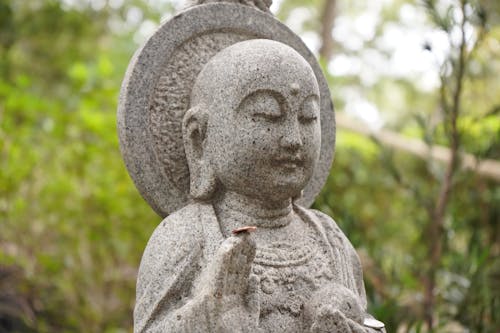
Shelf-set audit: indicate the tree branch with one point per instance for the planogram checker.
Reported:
(327, 22)
(486, 168)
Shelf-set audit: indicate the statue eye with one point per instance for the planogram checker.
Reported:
(262, 104)
(309, 111)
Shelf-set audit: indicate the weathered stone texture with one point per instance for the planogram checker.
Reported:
(225, 119)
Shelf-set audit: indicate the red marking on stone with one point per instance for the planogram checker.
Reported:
(244, 229)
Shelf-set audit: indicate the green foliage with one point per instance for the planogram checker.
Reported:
(383, 198)
(71, 220)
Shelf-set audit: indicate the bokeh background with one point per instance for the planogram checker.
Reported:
(414, 184)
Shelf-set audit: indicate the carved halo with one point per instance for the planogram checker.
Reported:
(156, 89)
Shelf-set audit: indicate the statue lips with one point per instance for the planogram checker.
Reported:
(289, 161)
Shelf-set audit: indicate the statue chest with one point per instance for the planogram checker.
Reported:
(289, 273)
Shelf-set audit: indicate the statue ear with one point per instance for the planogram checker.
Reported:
(202, 177)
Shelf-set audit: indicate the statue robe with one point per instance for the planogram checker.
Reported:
(184, 243)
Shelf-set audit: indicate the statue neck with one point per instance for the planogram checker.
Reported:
(239, 210)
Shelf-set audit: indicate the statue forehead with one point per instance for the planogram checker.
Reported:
(252, 65)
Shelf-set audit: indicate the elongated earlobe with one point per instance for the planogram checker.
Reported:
(202, 182)
(202, 176)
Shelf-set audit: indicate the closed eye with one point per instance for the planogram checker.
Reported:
(268, 116)
(307, 119)
(263, 104)
(309, 111)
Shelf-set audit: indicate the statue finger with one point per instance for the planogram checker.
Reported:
(339, 323)
(240, 262)
(248, 251)
(222, 265)
(250, 245)
(241, 265)
(322, 321)
(355, 327)
(253, 295)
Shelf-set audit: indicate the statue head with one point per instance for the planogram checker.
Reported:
(253, 126)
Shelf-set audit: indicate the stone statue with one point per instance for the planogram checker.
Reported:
(238, 114)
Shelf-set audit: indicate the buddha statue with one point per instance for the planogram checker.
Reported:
(243, 255)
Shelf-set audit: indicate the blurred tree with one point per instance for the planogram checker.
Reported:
(72, 225)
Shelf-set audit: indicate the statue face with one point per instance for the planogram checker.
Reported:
(263, 137)
(270, 148)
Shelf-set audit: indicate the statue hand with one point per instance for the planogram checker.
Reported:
(331, 320)
(228, 290)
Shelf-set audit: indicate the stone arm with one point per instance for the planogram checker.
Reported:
(358, 277)
(192, 280)
(169, 265)
(332, 231)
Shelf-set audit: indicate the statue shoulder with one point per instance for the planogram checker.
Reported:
(324, 218)
(337, 238)
(170, 259)
(333, 231)
(328, 223)
(182, 227)
(178, 236)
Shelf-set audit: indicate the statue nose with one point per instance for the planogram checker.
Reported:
(291, 138)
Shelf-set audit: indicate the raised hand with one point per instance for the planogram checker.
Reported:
(227, 291)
